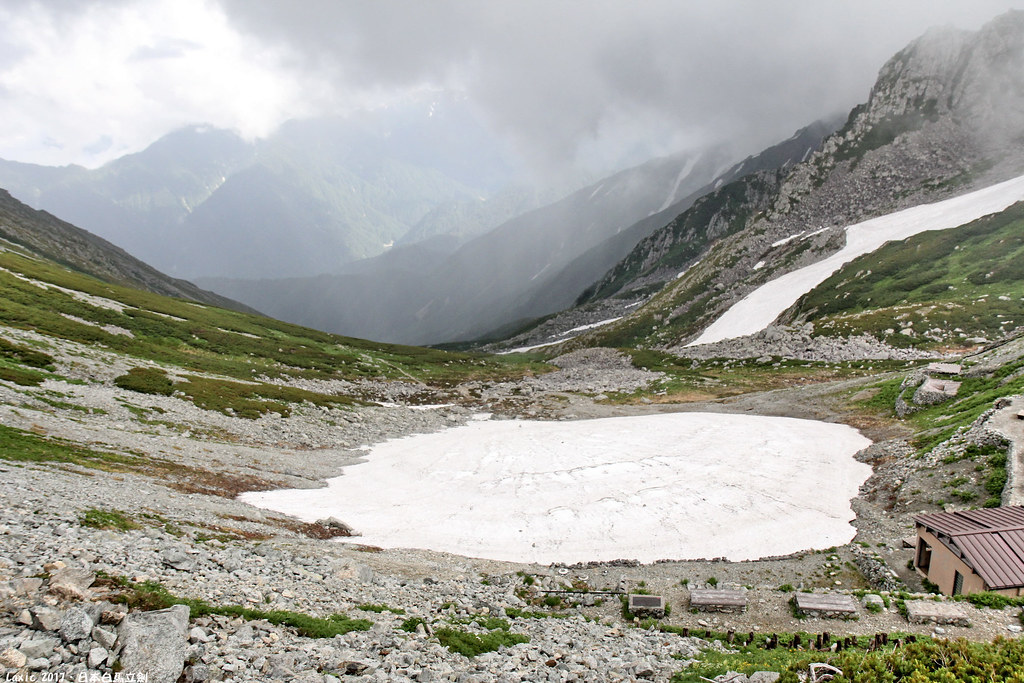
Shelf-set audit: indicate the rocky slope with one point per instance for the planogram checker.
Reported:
(52, 238)
(943, 118)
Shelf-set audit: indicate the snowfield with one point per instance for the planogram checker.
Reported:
(762, 306)
(670, 486)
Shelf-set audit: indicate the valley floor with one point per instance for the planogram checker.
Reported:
(178, 523)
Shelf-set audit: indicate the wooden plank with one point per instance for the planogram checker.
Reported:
(825, 602)
(717, 598)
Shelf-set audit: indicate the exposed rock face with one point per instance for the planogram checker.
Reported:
(945, 116)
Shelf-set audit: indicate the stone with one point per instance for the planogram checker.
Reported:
(114, 615)
(198, 635)
(39, 647)
(71, 583)
(26, 586)
(38, 664)
(154, 643)
(45, 618)
(13, 659)
(103, 637)
(337, 525)
(177, 559)
(75, 625)
(763, 677)
(197, 673)
(932, 612)
(873, 599)
(97, 656)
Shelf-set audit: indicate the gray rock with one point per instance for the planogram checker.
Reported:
(45, 618)
(154, 643)
(197, 673)
(26, 586)
(97, 656)
(39, 647)
(198, 635)
(763, 677)
(75, 625)
(177, 559)
(103, 637)
(38, 664)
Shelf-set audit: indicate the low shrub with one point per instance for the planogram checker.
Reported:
(146, 381)
(471, 644)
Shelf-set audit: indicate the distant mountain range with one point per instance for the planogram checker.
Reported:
(533, 265)
(369, 229)
(316, 195)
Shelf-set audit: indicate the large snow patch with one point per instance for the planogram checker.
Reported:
(671, 486)
(762, 306)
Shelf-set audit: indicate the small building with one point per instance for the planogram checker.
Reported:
(972, 550)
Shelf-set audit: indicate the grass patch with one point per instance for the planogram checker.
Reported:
(152, 595)
(472, 644)
(412, 623)
(381, 608)
(923, 661)
(115, 520)
(209, 340)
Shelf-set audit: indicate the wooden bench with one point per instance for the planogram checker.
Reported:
(826, 605)
(718, 600)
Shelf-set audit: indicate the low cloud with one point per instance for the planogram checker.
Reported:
(564, 81)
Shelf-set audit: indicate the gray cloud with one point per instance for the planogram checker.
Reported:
(562, 76)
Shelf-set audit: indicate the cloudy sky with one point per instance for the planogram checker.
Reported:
(563, 81)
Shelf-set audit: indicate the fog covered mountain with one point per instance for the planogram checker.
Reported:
(943, 118)
(314, 196)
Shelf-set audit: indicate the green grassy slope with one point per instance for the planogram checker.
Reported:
(933, 290)
(247, 353)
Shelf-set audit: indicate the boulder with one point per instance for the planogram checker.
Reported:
(75, 625)
(177, 559)
(154, 643)
(71, 583)
(45, 618)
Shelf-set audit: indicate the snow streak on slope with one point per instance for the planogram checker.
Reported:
(686, 170)
(762, 306)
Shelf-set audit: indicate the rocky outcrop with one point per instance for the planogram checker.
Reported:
(944, 117)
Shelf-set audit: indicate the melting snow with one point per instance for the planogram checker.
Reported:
(593, 325)
(760, 308)
(681, 485)
(684, 172)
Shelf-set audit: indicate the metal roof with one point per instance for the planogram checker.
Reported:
(990, 540)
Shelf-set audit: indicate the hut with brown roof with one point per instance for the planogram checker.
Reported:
(972, 550)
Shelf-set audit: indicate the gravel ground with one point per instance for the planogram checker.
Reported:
(214, 547)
